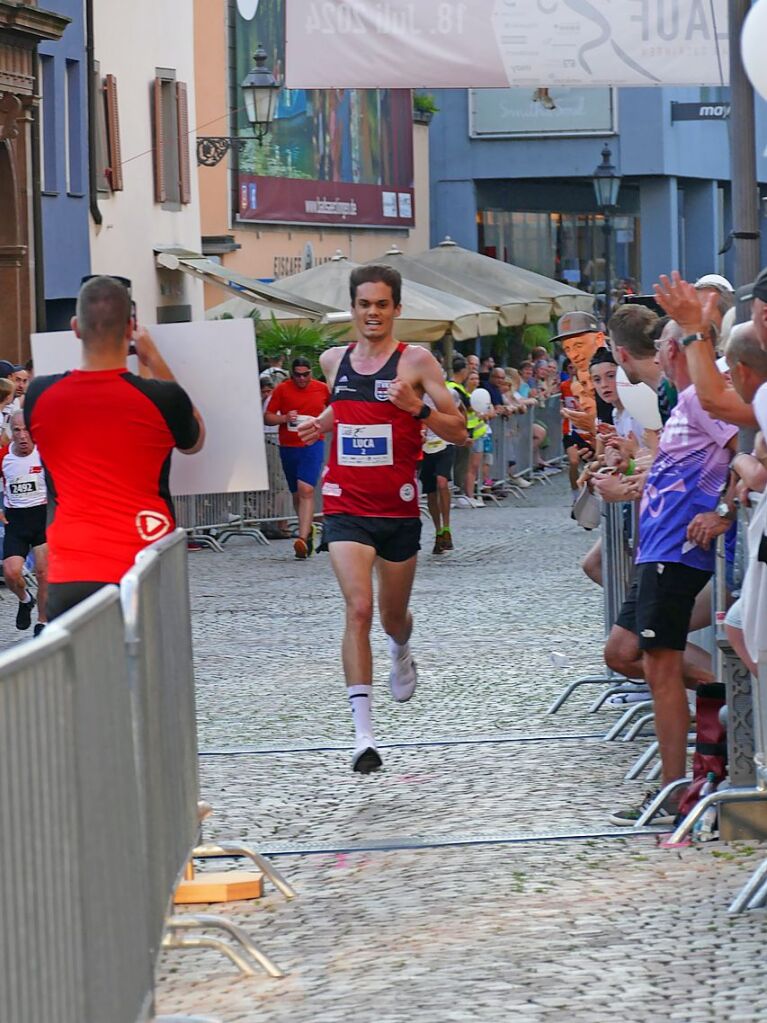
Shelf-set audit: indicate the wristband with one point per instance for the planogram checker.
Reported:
(692, 338)
(630, 468)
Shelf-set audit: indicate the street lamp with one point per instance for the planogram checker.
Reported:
(259, 91)
(607, 183)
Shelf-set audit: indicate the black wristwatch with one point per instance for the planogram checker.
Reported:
(424, 412)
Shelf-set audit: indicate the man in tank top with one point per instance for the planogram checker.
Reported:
(369, 488)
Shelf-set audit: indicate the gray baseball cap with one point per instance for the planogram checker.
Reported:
(572, 324)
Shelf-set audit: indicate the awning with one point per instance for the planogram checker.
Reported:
(248, 288)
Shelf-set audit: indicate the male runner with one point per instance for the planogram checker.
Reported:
(372, 516)
(290, 402)
(26, 501)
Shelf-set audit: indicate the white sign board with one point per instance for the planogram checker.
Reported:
(460, 44)
(216, 364)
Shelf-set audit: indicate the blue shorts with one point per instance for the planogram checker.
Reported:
(304, 464)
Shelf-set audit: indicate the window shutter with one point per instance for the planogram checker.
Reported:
(184, 172)
(160, 193)
(115, 171)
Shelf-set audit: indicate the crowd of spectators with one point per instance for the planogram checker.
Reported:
(688, 481)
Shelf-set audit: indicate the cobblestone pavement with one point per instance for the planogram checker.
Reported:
(396, 920)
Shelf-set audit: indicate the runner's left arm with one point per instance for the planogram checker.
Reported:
(444, 419)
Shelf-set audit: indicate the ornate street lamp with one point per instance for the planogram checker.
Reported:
(259, 92)
(607, 184)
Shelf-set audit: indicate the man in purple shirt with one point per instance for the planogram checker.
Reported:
(675, 560)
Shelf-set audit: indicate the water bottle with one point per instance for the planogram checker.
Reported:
(704, 828)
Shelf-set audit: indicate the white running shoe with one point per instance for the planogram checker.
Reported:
(520, 481)
(366, 757)
(403, 676)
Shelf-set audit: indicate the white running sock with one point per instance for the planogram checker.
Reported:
(360, 701)
(399, 653)
(27, 598)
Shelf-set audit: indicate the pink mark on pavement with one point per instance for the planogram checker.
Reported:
(414, 779)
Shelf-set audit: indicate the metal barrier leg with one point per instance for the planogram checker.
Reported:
(193, 941)
(587, 680)
(253, 532)
(626, 718)
(660, 800)
(214, 849)
(649, 754)
(753, 888)
(205, 921)
(759, 901)
(637, 727)
(205, 540)
(715, 799)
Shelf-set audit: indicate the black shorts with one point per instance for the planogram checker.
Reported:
(63, 596)
(393, 539)
(25, 530)
(440, 463)
(658, 607)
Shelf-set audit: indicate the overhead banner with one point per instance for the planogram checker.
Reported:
(340, 156)
(400, 44)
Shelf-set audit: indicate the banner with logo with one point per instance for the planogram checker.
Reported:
(335, 156)
(401, 44)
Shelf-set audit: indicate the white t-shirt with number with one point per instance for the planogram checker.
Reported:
(23, 480)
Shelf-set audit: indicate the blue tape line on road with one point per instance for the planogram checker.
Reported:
(405, 845)
(414, 744)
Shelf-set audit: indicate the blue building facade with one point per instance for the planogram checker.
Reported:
(512, 170)
(64, 164)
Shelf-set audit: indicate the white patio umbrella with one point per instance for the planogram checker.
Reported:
(464, 266)
(427, 314)
(512, 310)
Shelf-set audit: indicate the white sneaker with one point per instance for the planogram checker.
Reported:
(520, 481)
(403, 676)
(366, 757)
(619, 701)
(477, 502)
(462, 502)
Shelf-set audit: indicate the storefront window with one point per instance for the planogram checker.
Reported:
(565, 246)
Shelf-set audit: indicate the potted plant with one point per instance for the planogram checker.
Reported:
(424, 107)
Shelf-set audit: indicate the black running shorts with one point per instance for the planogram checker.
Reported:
(393, 539)
(658, 607)
(25, 530)
(438, 464)
(63, 596)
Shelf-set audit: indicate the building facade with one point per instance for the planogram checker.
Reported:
(144, 193)
(512, 171)
(23, 27)
(341, 151)
(63, 115)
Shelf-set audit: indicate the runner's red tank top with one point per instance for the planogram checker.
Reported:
(375, 447)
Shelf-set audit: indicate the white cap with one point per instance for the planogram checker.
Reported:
(715, 281)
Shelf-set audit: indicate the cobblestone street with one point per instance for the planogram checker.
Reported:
(396, 919)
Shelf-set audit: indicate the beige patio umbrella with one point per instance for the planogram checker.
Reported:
(427, 314)
(464, 266)
(512, 310)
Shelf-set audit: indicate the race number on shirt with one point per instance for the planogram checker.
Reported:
(365, 445)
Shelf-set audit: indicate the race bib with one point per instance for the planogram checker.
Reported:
(365, 445)
(23, 486)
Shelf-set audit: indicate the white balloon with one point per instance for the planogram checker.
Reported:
(752, 46)
(481, 401)
(247, 8)
(640, 401)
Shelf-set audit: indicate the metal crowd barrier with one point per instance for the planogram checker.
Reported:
(518, 439)
(74, 880)
(155, 599)
(618, 532)
(99, 802)
(549, 415)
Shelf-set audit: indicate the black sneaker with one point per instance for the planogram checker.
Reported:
(447, 540)
(39, 628)
(366, 757)
(666, 814)
(24, 614)
(438, 545)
